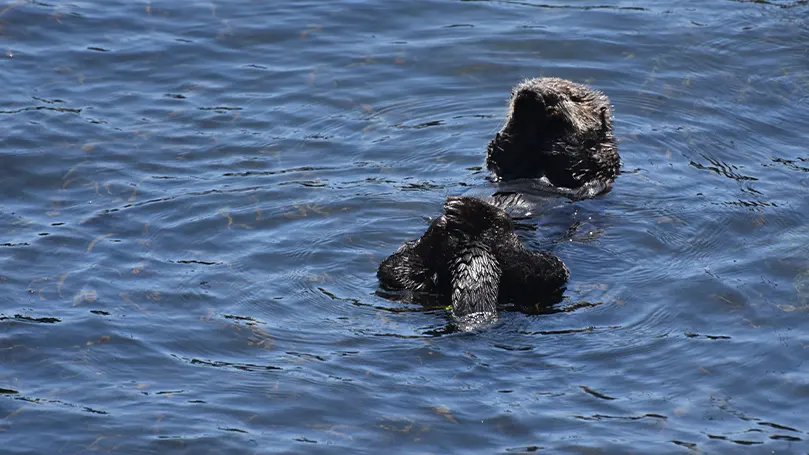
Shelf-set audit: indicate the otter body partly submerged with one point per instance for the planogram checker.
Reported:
(472, 255)
(560, 131)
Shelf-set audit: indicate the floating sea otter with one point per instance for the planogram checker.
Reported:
(472, 255)
(559, 130)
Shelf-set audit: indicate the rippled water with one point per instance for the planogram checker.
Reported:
(197, 196)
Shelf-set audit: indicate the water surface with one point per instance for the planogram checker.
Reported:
(197, 196)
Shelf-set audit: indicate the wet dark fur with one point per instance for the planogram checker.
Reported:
(472, 255)
(560, 130)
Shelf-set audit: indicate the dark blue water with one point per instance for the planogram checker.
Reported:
(196, 196)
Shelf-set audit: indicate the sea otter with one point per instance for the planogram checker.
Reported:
(472, 255)
(559, 130)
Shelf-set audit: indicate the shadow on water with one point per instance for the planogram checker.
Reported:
(436, 304)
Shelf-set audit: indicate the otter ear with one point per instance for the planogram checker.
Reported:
(475, 276)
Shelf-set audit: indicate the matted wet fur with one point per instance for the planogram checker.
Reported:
(560, 130)
(472, 255)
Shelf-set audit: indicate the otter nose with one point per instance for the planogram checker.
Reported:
(529, 102)
(529, 95)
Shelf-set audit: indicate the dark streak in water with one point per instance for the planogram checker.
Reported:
(8, 392)
(283, 171)
(236, 430)
(94, 411)
(750, 189)
(249, 320)
(607, 417)
(220, 108)
(21, 317)
(43, 108)
(742, 441)
(583, 8)
(690, 445)
(307, 183)
(525, 449)
(357, 302)
(513, 348)
(582, 304)
(15, 244)
(60, 402)
(191, 261)
(367, 180)
(568, 331)
(784, 437)
(721, 168)
(395, 335)
(421, 186)
(399, 296)
(329, 294)
(779, 5)
(98, 49)
(56, 101)
(777, 426)
(474, 116)
(747, 204)
(302, 439)
(596, 394)
(745, 442)
(219, 364)
(791, 164)
(313, 356)
(710, 337)
(420, 125)
(170, 198)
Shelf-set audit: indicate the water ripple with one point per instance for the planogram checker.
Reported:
(197, 198)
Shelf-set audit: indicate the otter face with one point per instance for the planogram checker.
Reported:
(557, 129)
(552, 107)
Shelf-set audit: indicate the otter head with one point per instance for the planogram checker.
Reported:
(549, 120)
(552, 107)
